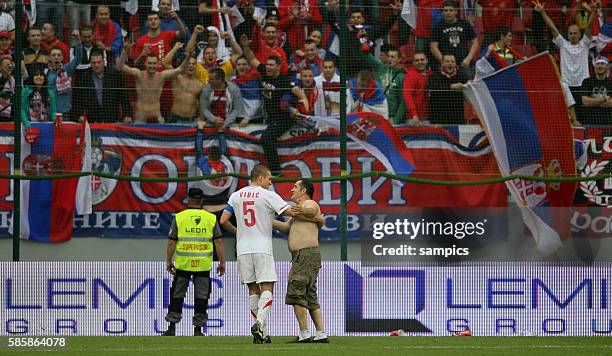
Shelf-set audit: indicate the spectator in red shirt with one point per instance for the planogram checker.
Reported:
(49, 41)
(415, 89)
(297, 18)
(156, 41)
(273, 18)
(6, 45)
(265, 45)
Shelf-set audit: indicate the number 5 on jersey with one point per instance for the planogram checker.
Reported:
(249, 213)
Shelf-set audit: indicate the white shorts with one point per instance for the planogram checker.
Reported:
(256, 267)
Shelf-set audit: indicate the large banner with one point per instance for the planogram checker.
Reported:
(131, 298)
(144, 209)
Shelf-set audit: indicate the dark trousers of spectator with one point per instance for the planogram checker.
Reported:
(269, 139)
(178, 290)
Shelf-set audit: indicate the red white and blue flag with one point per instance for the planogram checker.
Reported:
(375, 134)
(48, 206)
(523, 111)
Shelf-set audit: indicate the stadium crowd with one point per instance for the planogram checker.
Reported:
(254, 61)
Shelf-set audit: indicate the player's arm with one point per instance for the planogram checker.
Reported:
(282, 226)
(308, 210)
(122, 66)
(228, 211)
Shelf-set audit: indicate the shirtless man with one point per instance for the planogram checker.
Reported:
(186, 90)
(303, 243)
(149, 84)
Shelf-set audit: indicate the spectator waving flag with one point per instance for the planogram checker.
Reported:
(48, 206)
(523, 111)
(374, 133)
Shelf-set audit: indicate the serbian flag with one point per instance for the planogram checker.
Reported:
(372, 132)
(523, 111)
(48, 206)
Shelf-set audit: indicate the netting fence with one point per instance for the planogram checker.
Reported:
(391, 107)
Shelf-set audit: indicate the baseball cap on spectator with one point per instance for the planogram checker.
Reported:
(601, 59)
(195, 193)
(272, 13)
(4, 34)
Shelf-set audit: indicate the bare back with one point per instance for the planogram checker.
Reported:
(185, 95)
(302, 233)
(148, 92)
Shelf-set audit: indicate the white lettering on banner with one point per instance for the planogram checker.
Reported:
(591, 145)
(121, 220)
(171, 172)
(326, 187)
(606, 144)
(98, 298)
(368, 189)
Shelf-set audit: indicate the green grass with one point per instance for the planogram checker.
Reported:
(354, 346)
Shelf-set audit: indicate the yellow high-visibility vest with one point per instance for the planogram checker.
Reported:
(194, 249)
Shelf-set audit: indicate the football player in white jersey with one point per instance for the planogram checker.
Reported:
(255, 207)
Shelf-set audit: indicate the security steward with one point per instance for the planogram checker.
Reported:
(190, 241)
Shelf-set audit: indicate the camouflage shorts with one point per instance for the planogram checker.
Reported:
(302, 280)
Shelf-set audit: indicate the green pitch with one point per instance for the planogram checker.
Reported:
(353, 346)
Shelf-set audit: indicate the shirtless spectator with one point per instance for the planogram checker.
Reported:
(149, 84)
(303, 243)
(156, 41)
(186, 90)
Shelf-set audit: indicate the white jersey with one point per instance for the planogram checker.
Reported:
(255, 208)
(574, 60)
